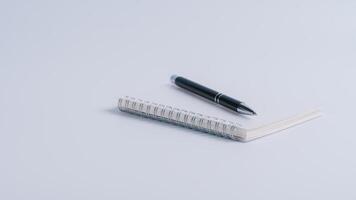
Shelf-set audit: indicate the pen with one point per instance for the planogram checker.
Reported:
(212, 95)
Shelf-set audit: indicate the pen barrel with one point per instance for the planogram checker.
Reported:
(212, 95)
(196, 88)
(228, 102)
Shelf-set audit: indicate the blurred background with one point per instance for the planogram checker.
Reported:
(64, 64)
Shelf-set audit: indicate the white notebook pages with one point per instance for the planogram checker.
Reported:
(270, 119)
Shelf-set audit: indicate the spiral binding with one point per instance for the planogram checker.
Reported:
(181, 117)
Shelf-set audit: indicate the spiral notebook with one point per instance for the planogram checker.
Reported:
(213, 125)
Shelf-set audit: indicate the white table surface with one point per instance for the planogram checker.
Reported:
(64, 64)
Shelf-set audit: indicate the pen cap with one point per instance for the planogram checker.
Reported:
(173, 78)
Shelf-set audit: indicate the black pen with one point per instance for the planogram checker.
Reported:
(212, 95)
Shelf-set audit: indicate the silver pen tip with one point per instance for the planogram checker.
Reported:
(244, 109)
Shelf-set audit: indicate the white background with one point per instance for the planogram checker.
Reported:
(64, 64)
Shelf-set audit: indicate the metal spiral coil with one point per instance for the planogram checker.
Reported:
(181, 117)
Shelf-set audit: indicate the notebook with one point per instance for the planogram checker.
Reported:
(245, 130)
